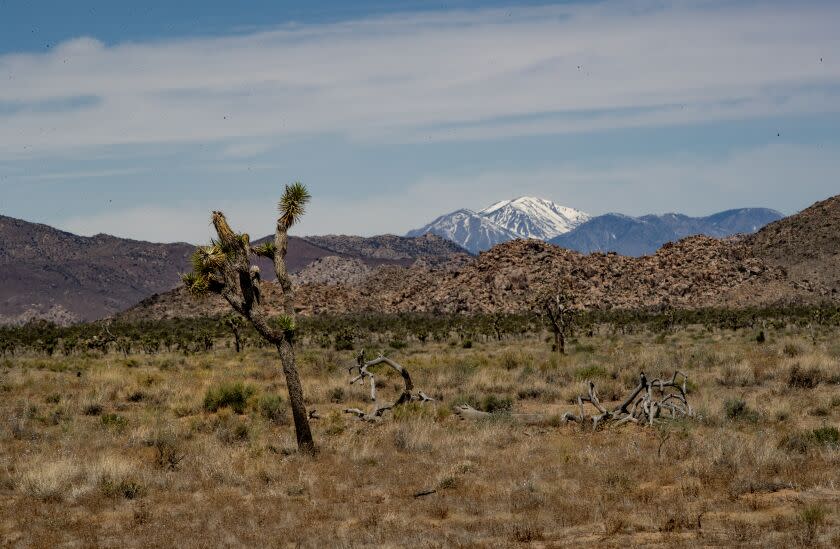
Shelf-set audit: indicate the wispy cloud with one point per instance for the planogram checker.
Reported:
(447, 75)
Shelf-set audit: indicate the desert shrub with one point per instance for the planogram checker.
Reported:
(826, 436)
(509, 361)
(737, 409)
(126, 488)
(114, 421)
(168, 453)
(397, 344)
(496, 404)
(802, 441)
(232, 430)
(273, 408)
(813, 516)
(802, 378)
(467, 344)
(92, 409)
(592, 371)
(760, 338)
(791, 350)
(344, 339)
(232, 395)
(50, 481)
(336, 394)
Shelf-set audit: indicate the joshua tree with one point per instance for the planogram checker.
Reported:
(235, 323)
(225, 268)
(557, 308)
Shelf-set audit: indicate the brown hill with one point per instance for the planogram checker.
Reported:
(57, 275)
(53, 274)
(694, 272)
(806, 246)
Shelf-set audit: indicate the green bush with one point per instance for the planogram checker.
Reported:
(737, 409)
(114, 421)
(495, 404)
(801, 441)
(590, 372)
(232, 395)
(273, 408)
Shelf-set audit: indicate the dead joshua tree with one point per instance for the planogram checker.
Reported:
(364, 373)
(650, 400)
(235, 323)
(225, 268)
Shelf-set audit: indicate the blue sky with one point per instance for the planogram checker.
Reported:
(138, 119)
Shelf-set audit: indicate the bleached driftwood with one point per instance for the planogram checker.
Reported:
(364, 373)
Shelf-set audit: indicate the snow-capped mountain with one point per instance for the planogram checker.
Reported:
(531, 217)
(467, 229)
(523, 217)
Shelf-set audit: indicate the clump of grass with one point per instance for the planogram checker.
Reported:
(273, 408)
(791, 350)
(114, 421)
(497, 405)
(168, 453)
(50, 481)
(592, 371)
(802, 441)
(737, 409)
(116, 478)
(812, 518)
(228, 395)
(336, 394)
(92, 408)
(803, 378)
(232, 430)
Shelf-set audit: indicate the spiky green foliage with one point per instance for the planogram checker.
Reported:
(196, 283)
(266, 249)
(207, 259)
(293, 203)
(286, 324)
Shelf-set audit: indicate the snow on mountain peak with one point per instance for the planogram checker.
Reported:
(533, 217)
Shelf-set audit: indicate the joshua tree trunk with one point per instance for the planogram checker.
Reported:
(225, 268)
(559, 341)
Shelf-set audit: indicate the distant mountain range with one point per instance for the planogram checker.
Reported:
(63, 277)
(637, 236)
(530, 217)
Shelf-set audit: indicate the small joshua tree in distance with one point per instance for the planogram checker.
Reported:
(556, 306)
(224, 267)
(235, 322)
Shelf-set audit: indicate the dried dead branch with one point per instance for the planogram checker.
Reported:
(364, 373)
(650, 400)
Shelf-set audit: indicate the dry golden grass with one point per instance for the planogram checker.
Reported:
(116, 452)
